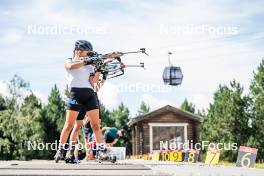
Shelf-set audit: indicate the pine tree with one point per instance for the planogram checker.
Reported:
(20, 122)
(53, 117)
(188, 106)
(17, 87)
(8, 126)
(2, 103)
(257, 94)
(121, 117)
(30, 127)
(143, 109)
(227, 118)
(106, 116)
(67, 92)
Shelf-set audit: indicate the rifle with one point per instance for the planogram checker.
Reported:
(111, 63)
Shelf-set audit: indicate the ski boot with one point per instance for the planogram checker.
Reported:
(59, 155)
(106, 156)
(70, 156)
(77, 161)
(72, 160)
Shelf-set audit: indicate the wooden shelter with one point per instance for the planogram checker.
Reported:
(167, 124)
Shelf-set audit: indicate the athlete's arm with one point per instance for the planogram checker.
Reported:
(91, 80)
(114, 142)
(104, 129)
(73, 65)
(96, 78)
(102, 83)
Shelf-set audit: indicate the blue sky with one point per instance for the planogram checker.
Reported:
(207, 57)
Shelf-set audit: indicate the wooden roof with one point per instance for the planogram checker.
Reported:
(166, 109)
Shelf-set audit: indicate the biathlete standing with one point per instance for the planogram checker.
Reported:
(81, 95)
(72, 154)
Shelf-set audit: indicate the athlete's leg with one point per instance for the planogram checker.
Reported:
(76, 152)
(95, 124)
(68, 125)
(87, 131)
(76, 129)
(73, 149)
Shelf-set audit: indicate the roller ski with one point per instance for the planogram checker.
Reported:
(72, 160)
(59, 154)
(105, 157)
(72, 156)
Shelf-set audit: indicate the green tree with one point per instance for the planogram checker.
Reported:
(121, 117)
(53, 118)
(257, 94)
(55, 109)
(20, 122)
(106, 116)
(30, 128)
(67, 92)
(17, 88)
(227, 118)
(7, 130)
(143, 109)
(202, 113)
(8, 118)
(188, 106)
(2, 103)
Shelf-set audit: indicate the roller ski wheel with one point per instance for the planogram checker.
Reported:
(77, 161)
(113, 159)
(71, 160)
(107, 158)
(58, 156)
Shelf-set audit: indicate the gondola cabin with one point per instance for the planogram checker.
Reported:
(172, 76)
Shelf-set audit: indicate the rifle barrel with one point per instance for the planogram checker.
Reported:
(134, 66)
(130, 52)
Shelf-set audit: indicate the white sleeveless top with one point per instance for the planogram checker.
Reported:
(79, 77)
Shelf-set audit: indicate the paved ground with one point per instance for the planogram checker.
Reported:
(127, 167)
